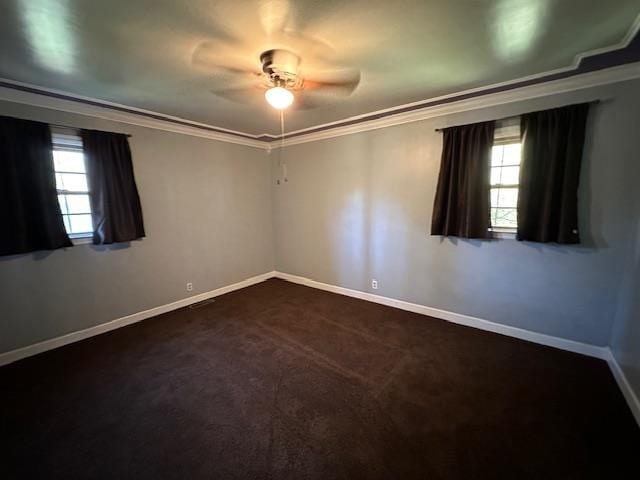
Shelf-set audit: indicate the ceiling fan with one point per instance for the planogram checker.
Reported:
(280, 75)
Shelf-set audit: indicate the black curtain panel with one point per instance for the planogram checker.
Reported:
(552, 144)
(115, 203)
(29, 210)
(462, 204)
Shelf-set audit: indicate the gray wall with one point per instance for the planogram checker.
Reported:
(625, 339)
(358, 207)
(207, 212)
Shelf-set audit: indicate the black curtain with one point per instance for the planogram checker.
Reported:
(552, 144)
(115, 203)
(462, 204)
(29, 210)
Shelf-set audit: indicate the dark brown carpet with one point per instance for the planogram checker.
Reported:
(280, 381)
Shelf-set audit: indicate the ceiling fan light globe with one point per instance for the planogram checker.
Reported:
(278, 97)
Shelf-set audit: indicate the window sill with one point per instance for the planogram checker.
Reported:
(81, 240)
(503, 234)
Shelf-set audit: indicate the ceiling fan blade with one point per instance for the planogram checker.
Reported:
(216, 57)
(274, 15)
(309, 100)
(305, 45)
(338, 82)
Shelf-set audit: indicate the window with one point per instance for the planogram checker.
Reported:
(505, 174)
(71, 183)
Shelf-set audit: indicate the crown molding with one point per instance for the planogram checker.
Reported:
(576, 82)
(624, 43)
(18, 92)
(24, 93)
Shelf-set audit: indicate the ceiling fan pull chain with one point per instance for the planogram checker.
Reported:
(283, 166)
(281, 128)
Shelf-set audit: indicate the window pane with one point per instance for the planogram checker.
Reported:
(512, 154)
(496, 155)
(67, 225)
(80, 223)
(504, 197)
(495, 175)
(510, 175)
(505, 175)
(73, 182)
(62, 200)
(65, 161)
(78, 204)
(494, 197)
(504, 217)
(507, 197)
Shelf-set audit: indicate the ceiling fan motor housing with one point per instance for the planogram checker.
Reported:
(282, 68)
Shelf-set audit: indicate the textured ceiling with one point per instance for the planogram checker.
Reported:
(141, 53)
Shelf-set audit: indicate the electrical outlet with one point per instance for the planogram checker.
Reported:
(374, 284)
(189, 287)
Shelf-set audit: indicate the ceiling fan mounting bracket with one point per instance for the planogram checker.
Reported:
(281, 67)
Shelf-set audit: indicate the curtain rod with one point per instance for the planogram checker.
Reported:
(511, 116)
(77, 128)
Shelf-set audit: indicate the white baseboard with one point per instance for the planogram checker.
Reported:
(14, 355)
(460, 319)
(629, 395)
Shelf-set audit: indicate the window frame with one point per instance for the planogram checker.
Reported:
(507, 132)
(68, 139)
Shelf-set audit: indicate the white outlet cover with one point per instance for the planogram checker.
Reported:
(189, 287)
(374, 284)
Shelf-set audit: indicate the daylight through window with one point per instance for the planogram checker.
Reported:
(71, 183)
(505, 174)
